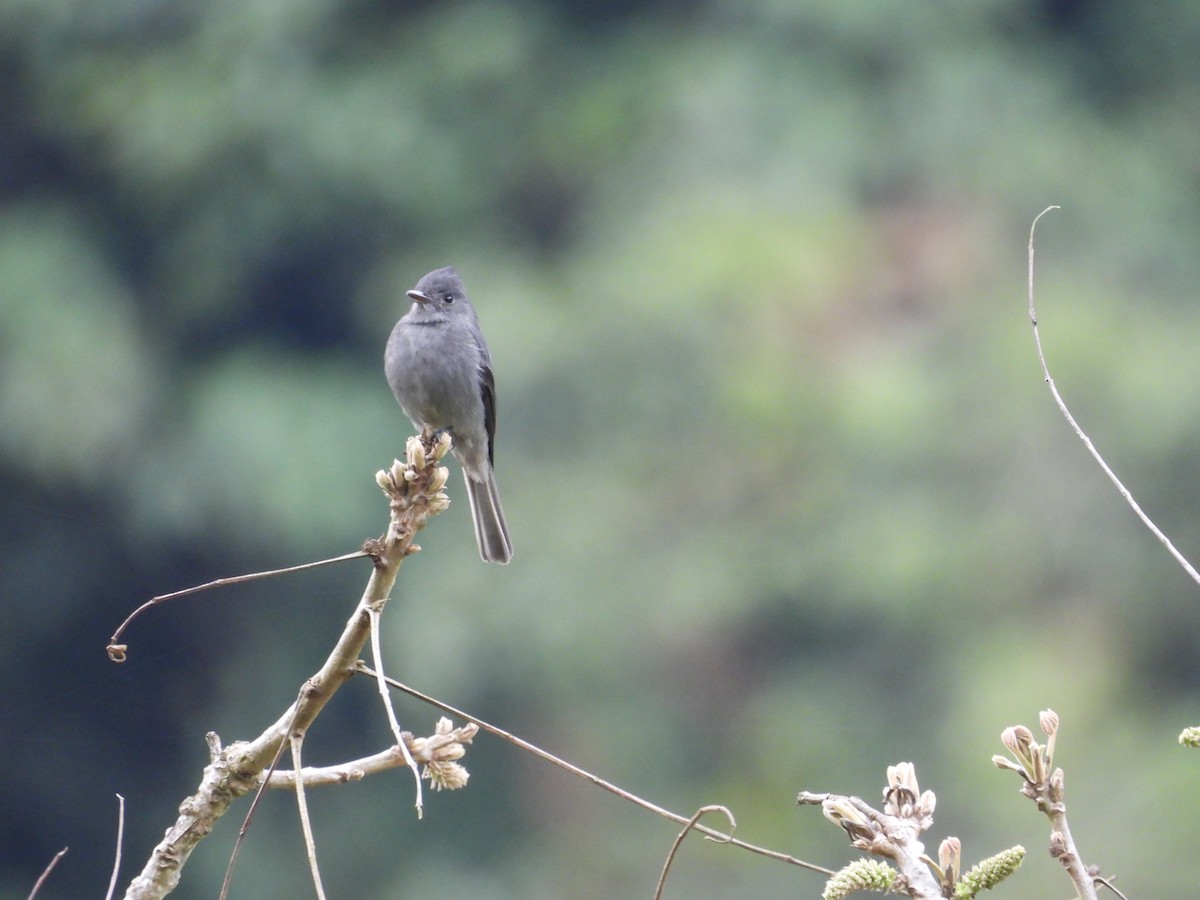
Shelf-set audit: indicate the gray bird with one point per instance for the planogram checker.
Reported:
(439, 368)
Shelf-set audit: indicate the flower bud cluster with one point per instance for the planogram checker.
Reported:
(894, 834)
(1033, 761)
(419, 480)
(440, 753)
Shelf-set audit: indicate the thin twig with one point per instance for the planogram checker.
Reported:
(691, 823)
(377, 655)
(37, 886)
(1087, 442)
(112, 882)
(310, 845)
(1108, 884)
(595, 779)
(116, 651)
(1045, 785)
(227, 881)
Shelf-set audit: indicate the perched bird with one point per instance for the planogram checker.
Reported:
(438, 366)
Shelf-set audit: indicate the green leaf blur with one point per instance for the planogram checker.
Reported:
(789, 497)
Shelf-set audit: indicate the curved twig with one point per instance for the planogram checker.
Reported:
(691, 823)
(116, 651)
(381, 682)
(1087, 442)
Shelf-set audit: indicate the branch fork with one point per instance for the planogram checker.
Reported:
(415, 492)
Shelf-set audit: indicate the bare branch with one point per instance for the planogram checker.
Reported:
(1104, 882)
(595, 779)
(415, 493)
(310, 845)
(214, 742)
(112, 881)
(385, 695)
(1087, 442)
(439, 750)
(37, 886)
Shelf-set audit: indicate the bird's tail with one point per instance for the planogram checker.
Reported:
(491, 533)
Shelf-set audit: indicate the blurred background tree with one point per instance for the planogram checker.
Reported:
(789, 498)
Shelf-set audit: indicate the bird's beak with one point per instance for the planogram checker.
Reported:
(418, 297)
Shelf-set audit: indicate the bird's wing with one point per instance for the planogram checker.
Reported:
(487, 388)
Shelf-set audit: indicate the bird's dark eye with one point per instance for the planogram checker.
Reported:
(448, 299)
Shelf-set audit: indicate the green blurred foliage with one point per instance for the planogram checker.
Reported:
(790, 499)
